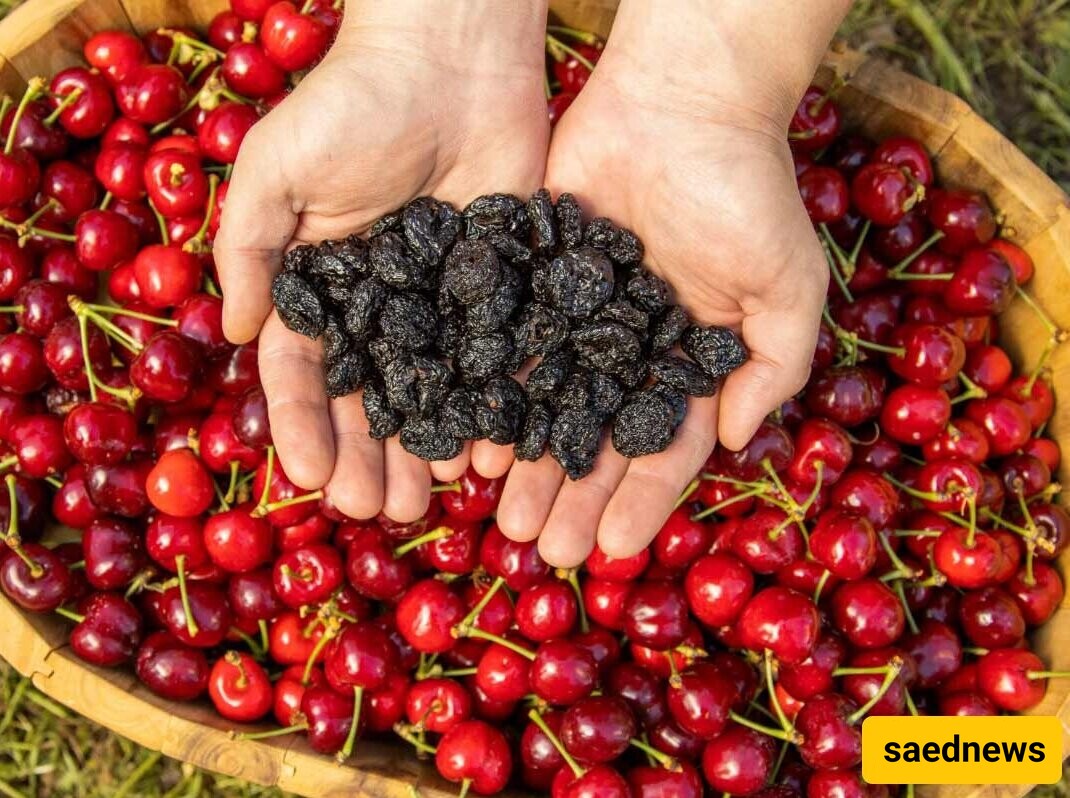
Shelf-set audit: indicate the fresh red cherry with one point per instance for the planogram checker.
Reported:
(456, 553)
(176, 183)
(294, 41)
(250, 418)
(884, 193)
(252, 596)
(781, 620)
(656, 615)
(930, 355)
(44, 141)
(16, 267)
(109, 632)
(598, 729)
(830, 738)
(1035, 396)
(43, 306)
(906, 153)
(220, 447)
(847, 395)
(209, 619)
(700, 700)
(653, 781)
(34, 577)
(1014, 679)
(680, 540)
(226, 30)
(844, 543)
(739, 761)
(571, 72)
(1020, 261)
(239, 688)
(718, 586)
(120, 488)
(281, 490)
(237, 541)
(71, 505)
(438, 705)
(475, 499)
(546, 611)
(99, 434)
(866, 493)
(39, 445)
(601, 566)
(1004, 421)
(503, 674)
(767, 540)
(1038, 594)
(964, 217)
(936, 652)
(200, 318)
(120, 168)
(307, 576)
(604, 601)
(69, 189)
(771, 442)
(983, 284)
(864, 687)
(372, 567)
(913, 414)
(562, 672)
(104, 239)
(114, 553)
(166, 367)
(815, 674)
(115, 53)
(363, 656)
(816, 121)
(223, 130)
(557, 105)
(824, 193)
(180, 485)
(473, 752)
(841, 784)
(166, 275)
(961, 439)
(60, 267)
(427, 614)
(91, 113)
(249, 71)
(152, 93)
(991, 618)
(966, 704)
(329, 715)
(171, 669)
(868, 612)
(23, 369)
(597, 781)
(519, 563)
(967, 562)
(822, 452)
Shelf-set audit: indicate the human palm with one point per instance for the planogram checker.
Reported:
(380, 121)
(717, 207)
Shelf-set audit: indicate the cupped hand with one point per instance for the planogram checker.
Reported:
(396, 110)
(710, 189)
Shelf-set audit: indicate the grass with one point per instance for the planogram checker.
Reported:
(1009, 58)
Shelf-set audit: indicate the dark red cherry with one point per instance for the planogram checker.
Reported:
(35, 578)
(91, 113)
(884, 193)
(964, 217)
(656, 615)
(109, 632)
(718, 586)
(824, 193)
(152, 93)
(294, 41)
(427, 614)
(1014, 679)
(816, 121)
(99, 433)
(739, 761)
(913, 414)
(782, 620)
(172, 669)
(598, 729)
(103, 239)
(210, 614)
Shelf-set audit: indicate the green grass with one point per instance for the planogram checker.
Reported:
(1009, 58)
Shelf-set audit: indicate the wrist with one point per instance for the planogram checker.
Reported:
(475, 36)
(746, 61)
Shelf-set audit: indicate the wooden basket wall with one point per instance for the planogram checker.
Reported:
(44, 36)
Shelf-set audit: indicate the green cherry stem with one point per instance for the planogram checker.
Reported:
(895, 665)
(191, 622)
(354, 726)
(466, 626)
(555, 741)
(34, 87)
(479, 634)
(438, 533)
(70, 615)
(791, 736)
(896, 271)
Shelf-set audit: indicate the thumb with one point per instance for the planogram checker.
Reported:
(258, 223)
(781, 343)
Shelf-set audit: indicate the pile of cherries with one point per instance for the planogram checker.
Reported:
(884, 544)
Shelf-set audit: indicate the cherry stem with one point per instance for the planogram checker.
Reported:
(196, 244)
(1035, 675)
(264, 735)
(834, 269)
(34, 87)
(269, 469)
(69, 615)
(973, 390)
(574, 33)
(83, 332)
(114, 310)
(191, 622)
(556, 47)
(895, 665)
(821, 585)
(466, 626)
(465, 785)
(11, 308)
(546, 86)
(663, 759)
(351, 738)
(900, 566)
(438, 533)
(911, 706)
(791, 736)
(571, 576)
(852, 256)
(254, 647)
(907, 613)
(458, 673)
(34, 217)
(5, 105)
(165, 237)
(8, 462)
(555, 741)
(261, 510)
(307, 6)
(881, 669)
(25, 232)
(904, 264)
(692, 486)
(405, 733)
(785, 724)
(67, 101)
(1045, 319)
(447, 487)
(739, 497)
(1030, 554)
(479, 634)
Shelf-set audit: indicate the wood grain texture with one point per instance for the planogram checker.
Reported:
(878, 101)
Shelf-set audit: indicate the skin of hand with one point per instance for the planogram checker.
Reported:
(703, 174)
(411, 100)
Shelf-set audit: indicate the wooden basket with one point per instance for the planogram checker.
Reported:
(44, 36)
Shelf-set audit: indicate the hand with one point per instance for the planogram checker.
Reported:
(708, 184)
(396, 110)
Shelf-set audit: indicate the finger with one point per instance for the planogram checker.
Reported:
(569, 534)
(258, 222)
(356, 485)
(491, 460)
(408, 484)
(450, 470)
(528, 496)
(291, 371)
(782, 345)
(653, 484)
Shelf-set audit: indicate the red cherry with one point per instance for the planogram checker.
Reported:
(20, 175)
(438, 705)
(906, 153)
(362, 656)
(824, 194)
(91, 113)
(239, 688)
(883, 193)
(771, 442)
(701, 699)
(844, 543)
(562, 672)
(249, 71)
(330, 718)
(475, 499)
(598, 729)
(1014, 679)
(223, 130)
(166, 275)
(427, 614)
(115, 53)
(38, 581)
(519, 563)
(70, 189)
(60, 267)
(308, 575)
(557, 105)
(172, 669)
(503, 674)
(656, 615)
(848, 395)
(236, 541)
(152, 93)
(991, 618)
(739, 761)
(1004, 422)
(814, 675)
(964, 218)
(103, 239)
(1020, 260)
(781, 620)
(913, 414)
(473, 752)
(816, 121)
(47, 142)
(180, 485)
(718, 586)
(23, 369)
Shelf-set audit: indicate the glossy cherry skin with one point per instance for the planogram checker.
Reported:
(503, 674)
(362, 656)
(172, 669)
(546, 611)
(562, 672)
(844, 543)
(649, 781)
(1038, 597)
(110, 631)
(739, 761)
(40, 446)
(718, 586)
(238, 542)
(931, 354)
(601, 566)
(114, 553)
(1004, 422)
(824, 193)
(329, 715)
(250, 72)
(90, 114)
(166, 367)
(372, 567)
(883, 193)
(294, 41)
(42, 588)
(239, 688)
(476, 753)
(119, 168)
(519, 563)
(656, 615)
(966, 565)
(180, 485)
(983, 284)
(597, 729)
(847, 395)
(829, 739)
(782, 620)
(16, 267)
(23, 369)
(815, 123)
(868, 612)
(152, 93)
(701, 699)
(438, 704)
(1005, 678)
(913, 414)
(223, 130)
(991, 618)
(308, 575)
(597, 781)
(936, 651)
(906, 153)
(964, 218)
(104, 238)
(71, 505)
(427, 614)
(20, 176)
(120, 489)
(114, 53)
(250, 418)
(210, 611)
(166, 275)
(771, 442)
(766, 541)
(475, 499)
(46, 142)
